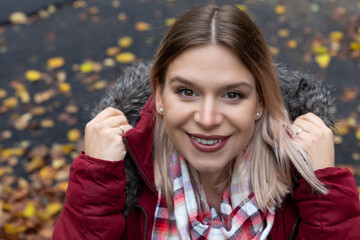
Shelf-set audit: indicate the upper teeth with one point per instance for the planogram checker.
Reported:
(205, 141)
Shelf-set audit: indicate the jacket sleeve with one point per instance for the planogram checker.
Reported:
(95, 200)
(332, 216)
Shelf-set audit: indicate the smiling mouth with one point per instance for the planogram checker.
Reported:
(206, 141)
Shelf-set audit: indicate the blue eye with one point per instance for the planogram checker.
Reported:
(187, 92)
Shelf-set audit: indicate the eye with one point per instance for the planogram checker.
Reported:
(187, 92)
(233, 95)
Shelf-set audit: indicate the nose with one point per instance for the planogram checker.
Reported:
(207, 114)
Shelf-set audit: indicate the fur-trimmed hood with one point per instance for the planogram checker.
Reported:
(301, 93)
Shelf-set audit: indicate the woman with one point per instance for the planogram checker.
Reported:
(215, 150)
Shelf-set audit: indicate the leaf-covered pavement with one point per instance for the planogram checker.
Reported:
(57, 60)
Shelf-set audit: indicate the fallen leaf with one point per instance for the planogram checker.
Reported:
(64, 87)
(357, 134)
(11, 102)
(283, 32)
(170, 21)
(323, 60)
(30, 210)
(87, 67)
(18, 18)
(99, 85)
(242, 7)
(55, 62)
(125, 42)
(125, 57)
(112, 51)
(33, 75)
(122, 17)
(142, 26)
(336, 36)
(80, 4)
(292, 44)
(73, 135)
(3, 93)
(280, 9)
(355, 46)
(47, 123)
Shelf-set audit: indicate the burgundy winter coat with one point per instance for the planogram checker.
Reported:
(96, 199)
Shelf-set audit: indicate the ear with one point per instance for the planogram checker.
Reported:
(158, 99)
(259, 109)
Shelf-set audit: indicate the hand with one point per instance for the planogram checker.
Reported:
(317, 140)
(103, 137)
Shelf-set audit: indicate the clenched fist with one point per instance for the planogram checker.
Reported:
(317, 140)
(103, 135)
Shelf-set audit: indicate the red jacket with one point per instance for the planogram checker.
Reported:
(96, 199)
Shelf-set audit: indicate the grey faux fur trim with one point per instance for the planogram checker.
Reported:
(301, 93)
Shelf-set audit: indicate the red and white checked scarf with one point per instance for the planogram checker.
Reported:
(194, 218)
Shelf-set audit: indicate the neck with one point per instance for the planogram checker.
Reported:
(209, 182)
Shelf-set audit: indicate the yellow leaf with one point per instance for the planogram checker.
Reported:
(10, 229)
(18, 18)
(55, 62)
(357, 134)
(29, 210)
(3, 93)
(67, 148)
(292, 44)
(280, 9)
(142, 26)
(355, 46)
(47, 123)
(47, 173)
(170, 21)
(274, 50)
(242, 7)
(73, 135)
(122, 17)
(87, 67)
(58, 163)
(35, 163)
(10, 102)
(125, 42)
(319, 49)
(38, 110)
(112, 51)
(283, 33)
(341, 127)
(100, 85)
(323, 60)
(355, 156)
(64, 87)
(336, 36)
(22, 93)
(109, 62)
(125, 57)
(33, 75)
(79, 4)
(53, 208)
(63, 186)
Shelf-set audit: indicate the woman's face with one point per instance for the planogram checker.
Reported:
(210, 104)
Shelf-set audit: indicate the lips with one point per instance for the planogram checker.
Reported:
(206, 143)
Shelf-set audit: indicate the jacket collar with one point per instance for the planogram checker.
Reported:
(139, 143)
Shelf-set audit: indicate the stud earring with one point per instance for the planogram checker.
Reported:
(257, 114)
(161, 110)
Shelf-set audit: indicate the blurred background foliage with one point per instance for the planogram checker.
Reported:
(58, 57)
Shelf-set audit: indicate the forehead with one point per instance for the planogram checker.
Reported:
(214, 64)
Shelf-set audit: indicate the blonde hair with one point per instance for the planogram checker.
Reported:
(272, 151)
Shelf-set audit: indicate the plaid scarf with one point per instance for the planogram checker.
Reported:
(194, 218)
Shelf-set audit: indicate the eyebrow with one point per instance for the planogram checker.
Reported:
(225, 87)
